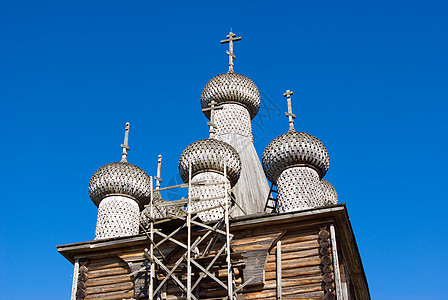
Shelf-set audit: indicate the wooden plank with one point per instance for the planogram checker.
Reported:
(279, 269)
(337, 273)
(75, 279)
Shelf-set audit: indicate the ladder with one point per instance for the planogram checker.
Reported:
(271, 202)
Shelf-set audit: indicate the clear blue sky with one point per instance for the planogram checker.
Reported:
(369, 79)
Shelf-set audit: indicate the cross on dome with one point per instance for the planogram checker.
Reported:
(212, 107)
(231, 37)
(125, 144)
(289, 114)
(159, 170)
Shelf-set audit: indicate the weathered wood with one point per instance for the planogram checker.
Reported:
(107, 272)
(295, 272)
(75, 280)
(295, 263)
(256, 256)
(295, 254)
(106, 263)
(124, 286)
(112, 295)
(279, 269)
(337, 273)
(107, 280)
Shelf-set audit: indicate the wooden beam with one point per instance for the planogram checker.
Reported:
(337, 273)
(75, 279)
(279, 269)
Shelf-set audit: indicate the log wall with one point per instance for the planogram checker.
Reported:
(306, 267)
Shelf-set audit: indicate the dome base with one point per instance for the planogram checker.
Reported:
(117, 216)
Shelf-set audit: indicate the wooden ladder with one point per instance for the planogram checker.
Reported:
(271, 202)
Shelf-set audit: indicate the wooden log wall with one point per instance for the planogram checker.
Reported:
(301, 272)
(306, 268)
(108, 278)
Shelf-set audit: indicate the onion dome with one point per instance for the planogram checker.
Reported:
(120, 178)
(209, 156)
(231, 88)
(330, 195)
(294, 149)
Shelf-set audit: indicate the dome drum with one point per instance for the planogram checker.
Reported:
(117, 216)
(298, 188)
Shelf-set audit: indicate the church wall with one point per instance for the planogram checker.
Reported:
(302, 270)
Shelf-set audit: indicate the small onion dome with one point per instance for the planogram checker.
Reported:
(231, 88)
(330, 195)
(294, 149)
(208, 156)
(120, 178)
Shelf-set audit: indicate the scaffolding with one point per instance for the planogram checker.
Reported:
(204, 252)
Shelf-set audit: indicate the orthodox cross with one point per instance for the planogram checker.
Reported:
(159, 170)
(212, 107)
(289, 114)
(125, 144)
(231, 37)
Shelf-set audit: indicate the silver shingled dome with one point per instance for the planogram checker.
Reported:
(208, 156)
(231, 88)
(295, 149)
(330, 195)
(120, 178)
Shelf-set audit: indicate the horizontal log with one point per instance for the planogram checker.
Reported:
(291, 239)
(112, 295)
(111, 262)
(107, 272)
(299, 246)
(314, 270)
(294, 263)
(287, 282)
(302, 289)
(249, 240)
(271, 293)
(309, 296)
(125, 286)
(295, 255)
(108, 280)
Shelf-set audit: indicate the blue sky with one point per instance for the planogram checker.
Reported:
(369, 80)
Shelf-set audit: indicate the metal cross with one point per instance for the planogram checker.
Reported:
(289, 114)
(159, 170)
(231, 37)
(212, 107)
(125, 144)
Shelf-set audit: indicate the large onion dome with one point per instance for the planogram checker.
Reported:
(294, 149)
(120, 178)
(209, 156)
(330, 195)
(231, 88)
